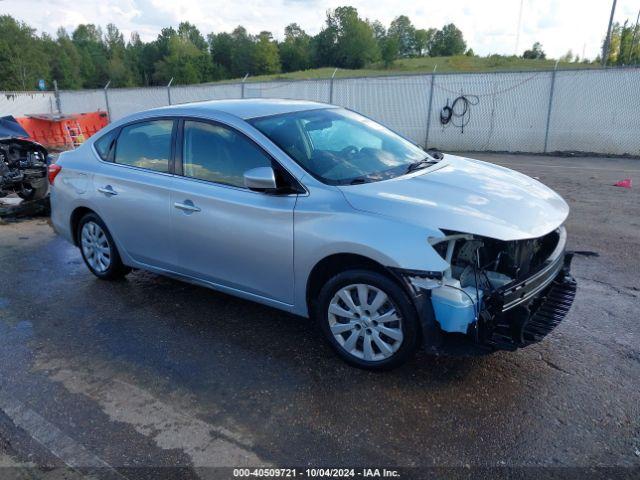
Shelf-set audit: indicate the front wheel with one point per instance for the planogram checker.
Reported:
(368, 319)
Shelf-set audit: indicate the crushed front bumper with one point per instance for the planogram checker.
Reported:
(511, 317)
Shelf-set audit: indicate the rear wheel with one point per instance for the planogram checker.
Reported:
(368, 319)
(98, 249)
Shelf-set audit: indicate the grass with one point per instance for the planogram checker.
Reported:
(459, 63)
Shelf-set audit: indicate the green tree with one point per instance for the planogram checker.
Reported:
(221, 46)
(118, 70)
(379, 32)
(404, 32)
(64, 60)
(114, 41)
(447, 42)
(324, 47)
(190, 32)
(183, 63)
(423, 40)
(614, 45)
(567, 57)
(625, 44)
(389, 47)
(266, 58)
(93, 55)
(134, 59)
(242, 56)
(22, 56)
(295, 51)
(355, 45)
(163, 40)
(535, 53)
(149, 56)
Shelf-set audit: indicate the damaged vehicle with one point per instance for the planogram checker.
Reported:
(324, 213)
(23, 163)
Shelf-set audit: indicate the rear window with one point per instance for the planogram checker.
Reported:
(104, 144)
(145, 145)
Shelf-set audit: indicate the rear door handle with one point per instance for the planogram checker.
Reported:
(187, 206)
(107, 190)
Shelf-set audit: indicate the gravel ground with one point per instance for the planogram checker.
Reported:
(122, 379)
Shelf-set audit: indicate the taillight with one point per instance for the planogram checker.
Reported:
(53, 172)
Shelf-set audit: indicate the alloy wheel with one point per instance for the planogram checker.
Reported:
(95, 247)
(365, 322)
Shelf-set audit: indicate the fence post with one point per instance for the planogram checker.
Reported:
(553, 84)
(169, 90)
(56, 92)
(106, 99)
(331, 86)
(433, 81)
(242, 89)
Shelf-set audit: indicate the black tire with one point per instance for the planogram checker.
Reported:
(116, 269)
(31, 192)
(399, 299)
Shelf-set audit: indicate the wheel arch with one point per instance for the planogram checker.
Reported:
(75, 218)
(336, 263)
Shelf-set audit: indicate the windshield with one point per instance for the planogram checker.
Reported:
(340, 147)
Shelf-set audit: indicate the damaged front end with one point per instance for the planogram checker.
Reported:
(500, 295)
(23, 163)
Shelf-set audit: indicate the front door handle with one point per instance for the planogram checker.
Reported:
(187, 206)
(107, 190)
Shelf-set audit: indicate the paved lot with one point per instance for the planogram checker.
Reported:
(152, 372)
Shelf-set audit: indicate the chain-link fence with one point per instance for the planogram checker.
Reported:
(594, 110)
(19, 104)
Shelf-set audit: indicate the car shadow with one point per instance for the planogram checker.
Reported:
(263, 369)
(203, 338)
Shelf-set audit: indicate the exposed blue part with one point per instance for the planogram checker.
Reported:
(456, 317)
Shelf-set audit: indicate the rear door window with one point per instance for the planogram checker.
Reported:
(145, 145)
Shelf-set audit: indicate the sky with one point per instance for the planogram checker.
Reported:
(489, 26)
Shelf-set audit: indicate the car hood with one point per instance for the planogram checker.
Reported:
(468, 196)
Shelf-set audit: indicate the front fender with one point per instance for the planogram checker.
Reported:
(321, 232)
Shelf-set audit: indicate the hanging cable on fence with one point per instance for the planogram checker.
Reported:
(458, 113)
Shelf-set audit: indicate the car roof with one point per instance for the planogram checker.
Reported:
(249, 108)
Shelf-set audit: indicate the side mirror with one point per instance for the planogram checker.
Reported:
(260, 179)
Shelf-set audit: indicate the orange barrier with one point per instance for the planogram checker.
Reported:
(63, 131)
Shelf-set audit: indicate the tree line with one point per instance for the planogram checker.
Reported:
(625, 44)
(89, 56)
(624, 48)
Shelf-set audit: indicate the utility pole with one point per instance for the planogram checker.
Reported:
(607, 41)
(519, 25)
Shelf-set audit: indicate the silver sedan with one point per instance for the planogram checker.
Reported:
(322, 212)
